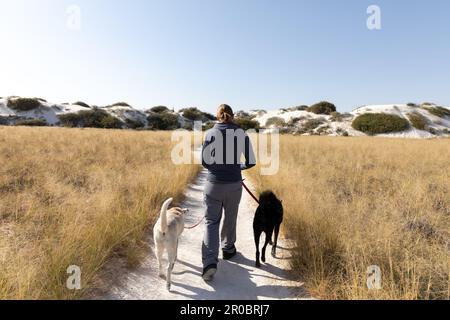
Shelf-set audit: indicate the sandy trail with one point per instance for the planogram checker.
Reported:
(235, 280)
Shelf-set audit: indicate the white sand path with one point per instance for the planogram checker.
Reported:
(238, 279)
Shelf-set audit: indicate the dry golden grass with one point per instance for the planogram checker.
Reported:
(355, 202)
(74, 197)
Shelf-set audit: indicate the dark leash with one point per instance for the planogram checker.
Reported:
(249, 192)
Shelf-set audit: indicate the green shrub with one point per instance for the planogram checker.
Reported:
(412, 104)
(336, 116)
(293, 121)
(323, 130)
(120, 104)
(247, 123)
(342, 132)
(82, 104)
(378, 123)
(433, 131)
(10, 120)
(32, 123)
(417, 120)
(275, 121)
(312, 124)
(134, 124)
(243, 114)
(24, 104)
(96, 118)
(323, 107)
(163, 121)
(194, 114)
(301, 108)
(159, 109)
(439, 111)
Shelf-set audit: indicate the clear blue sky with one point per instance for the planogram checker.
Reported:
(250, 54)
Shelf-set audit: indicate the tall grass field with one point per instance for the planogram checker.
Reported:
(76, 197)
(352, 203)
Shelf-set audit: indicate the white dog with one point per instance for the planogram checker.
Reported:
(166, 233)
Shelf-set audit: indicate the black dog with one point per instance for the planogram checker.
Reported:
(268, 218)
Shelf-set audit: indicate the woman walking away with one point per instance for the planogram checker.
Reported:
(223, 149)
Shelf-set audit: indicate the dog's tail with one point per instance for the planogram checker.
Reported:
(163, 215)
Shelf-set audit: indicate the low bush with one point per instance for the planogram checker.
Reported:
(418, 121)
(324, 130)
(295, 121)
(336, 117)
(379, 123)
(91, 119)
(275, 121)
(134, 124)
(439, 111)
(433, 131)
(194, 114)
(159, 109)
(163, 121)
(342, 132)
(82, 104)
(32, 123)
(120, 104)
(23, 104)
(323, 107)
(247, 123)
(312, 124)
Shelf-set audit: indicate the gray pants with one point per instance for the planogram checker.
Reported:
(220, 198)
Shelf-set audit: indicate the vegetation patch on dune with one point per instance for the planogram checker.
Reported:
(439, 111)
(195, 114)
(120, 104)
(323, 107)
(379, 123)
(418, 121)
(24, 104)
(276, 121)
(32, 123)
(96, 118)
(163, 121)
(82, 104)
